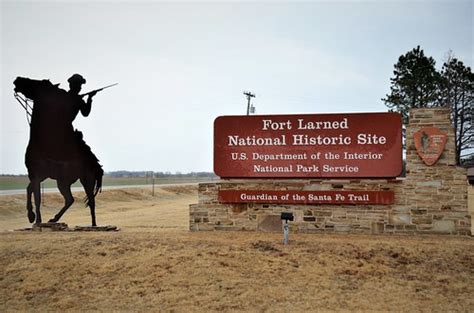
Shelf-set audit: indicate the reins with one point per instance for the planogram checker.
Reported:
(25, 103)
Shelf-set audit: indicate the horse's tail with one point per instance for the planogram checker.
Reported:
(98, 180)
(98, 173)
(92, 166)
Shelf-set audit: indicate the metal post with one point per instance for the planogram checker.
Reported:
(153, 182)
(42, 193)
(286, 216)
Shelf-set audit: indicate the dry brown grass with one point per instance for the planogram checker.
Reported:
(155, 264)
(128, 208)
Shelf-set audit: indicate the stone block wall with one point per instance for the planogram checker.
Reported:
(436, 195)
(430, 199)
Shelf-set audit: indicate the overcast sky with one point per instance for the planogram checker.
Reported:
(180, 65)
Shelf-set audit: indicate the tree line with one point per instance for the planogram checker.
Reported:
(157, 174)
(418, 84)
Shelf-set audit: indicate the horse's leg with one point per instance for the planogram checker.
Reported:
(29, 205)
(37, 194)
(65, 189)
(89, 183)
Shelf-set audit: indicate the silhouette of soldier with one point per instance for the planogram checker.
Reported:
(73, 105)
(76, 102)
(52, 135)
(55, 150)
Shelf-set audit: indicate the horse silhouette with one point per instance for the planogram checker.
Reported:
(55, 150)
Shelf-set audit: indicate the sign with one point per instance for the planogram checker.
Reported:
(429, 144)
(323, 145)
(306, 197)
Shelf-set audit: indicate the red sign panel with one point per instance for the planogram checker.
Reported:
(306, 197)
(323, 145)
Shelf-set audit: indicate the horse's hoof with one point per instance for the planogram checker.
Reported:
(53, 220)
(31, 216)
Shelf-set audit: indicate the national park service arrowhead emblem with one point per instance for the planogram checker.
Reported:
(430, 143)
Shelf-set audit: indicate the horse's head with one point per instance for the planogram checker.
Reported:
(19, 83)
(30, 87)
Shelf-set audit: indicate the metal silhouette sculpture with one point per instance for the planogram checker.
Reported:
(55, 150)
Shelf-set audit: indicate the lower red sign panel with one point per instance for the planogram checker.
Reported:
(306, 197)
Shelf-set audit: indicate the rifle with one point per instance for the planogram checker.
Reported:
(97, 90)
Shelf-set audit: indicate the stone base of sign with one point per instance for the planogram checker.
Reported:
(430, 199)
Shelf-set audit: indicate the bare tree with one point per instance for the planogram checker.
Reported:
(457, 92)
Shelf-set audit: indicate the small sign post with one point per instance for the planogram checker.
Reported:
(286, 216)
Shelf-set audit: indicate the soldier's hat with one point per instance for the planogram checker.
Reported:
(76, 78)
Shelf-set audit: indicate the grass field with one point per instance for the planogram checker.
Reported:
(20, 182)
(155, 264)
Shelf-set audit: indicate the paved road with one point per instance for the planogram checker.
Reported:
(74, 189)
